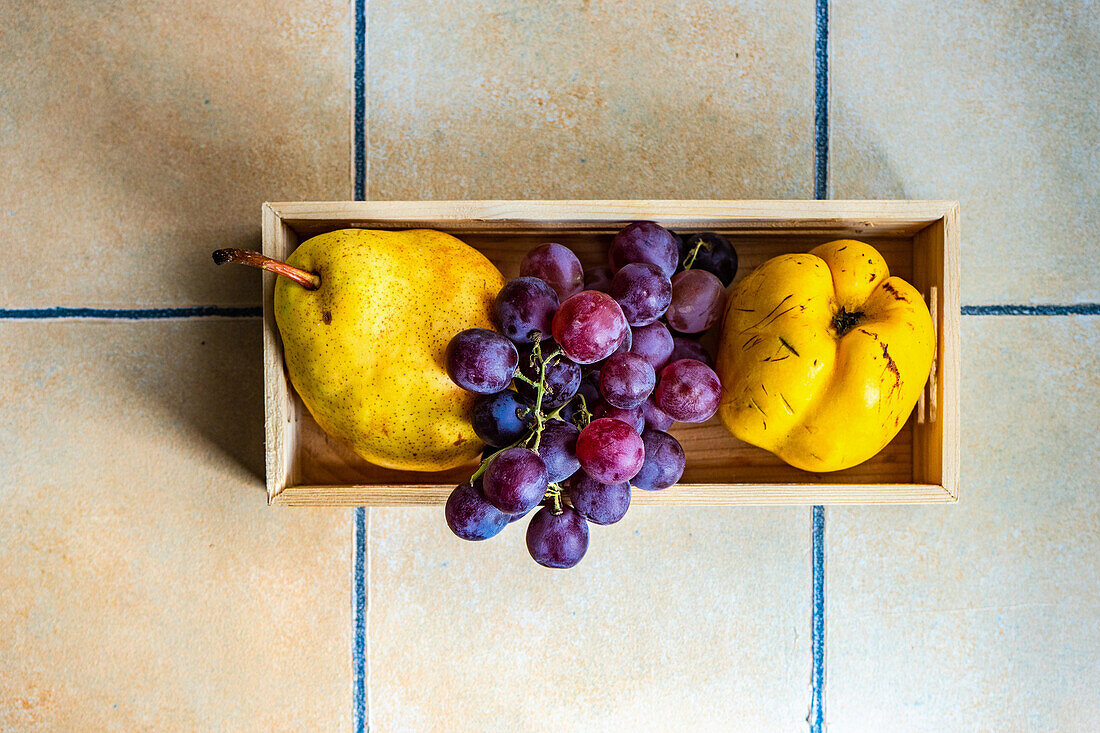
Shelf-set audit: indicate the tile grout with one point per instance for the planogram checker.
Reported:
(361, 518)
(816, 715)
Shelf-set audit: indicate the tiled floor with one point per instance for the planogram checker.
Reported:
(146, 585)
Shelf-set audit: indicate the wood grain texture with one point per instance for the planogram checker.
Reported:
(308, 467)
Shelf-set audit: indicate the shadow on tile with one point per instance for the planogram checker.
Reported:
(216, 391)
(869, 172)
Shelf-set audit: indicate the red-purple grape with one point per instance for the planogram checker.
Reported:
(471, 517)
(556, 265)
(558, 449)
(609, 451)
(589, 326)
(644, 241)
(599, 503)
(481, 360)
(563, 377)
(524, 307)
(685, 348)
(664, 461)
(715, 255)
(653, 343)
(632, 417)
(643, 291)
(515, 481)
(697, 300)
(688, 391)
(626, 380)
(626, 344)
(557, 541)
(655, 418)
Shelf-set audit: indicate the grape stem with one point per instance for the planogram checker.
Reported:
(690, 259)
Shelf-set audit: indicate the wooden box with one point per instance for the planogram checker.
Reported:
(919, 239)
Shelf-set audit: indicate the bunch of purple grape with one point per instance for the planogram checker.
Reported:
(602, 363)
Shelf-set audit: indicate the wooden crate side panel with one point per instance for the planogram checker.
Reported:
(679, 495)
(839, 218)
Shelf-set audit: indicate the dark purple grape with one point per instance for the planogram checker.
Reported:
(664, 461)
(556, 265)
(632, 417)
(644, 241)
(713, 253)
(653, 343)
(558, 449)
(481, 360)
(609, 451)
(590, 326)
(471, 516)
(685, 348)
(515, 481)
(597, 278)
(655, 418)
(643, 291)
(525, 306)
(626, 344)
(599, 503)
(501, 419)
(697, 300)
(557, 541)
(563, 377)
(626, 380)
(689, 391)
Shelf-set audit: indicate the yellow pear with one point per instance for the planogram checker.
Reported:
(365, 317)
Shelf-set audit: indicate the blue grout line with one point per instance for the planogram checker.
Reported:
(816, 716)
(821, 100)
(360, 100)
(359, 650)
(1080, 309)
(130, 314)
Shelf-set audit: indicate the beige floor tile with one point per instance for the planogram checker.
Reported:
(677, 619)
(590, 100)
(984, 615)
(138, 137)
(145, 583)
(990, 103)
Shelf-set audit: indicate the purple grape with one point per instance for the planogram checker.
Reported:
(589, 327)
(597, 278)
(501, 419)
(515, 481)
(523, 307)
(634, 417)
(685, 348)
(599, 503)
(481, 360)
(697, 300)
(653, 343)
(655, 418)
(643, 291)
(563, 377)
(715, 255)
(557, 541)
(626, 380)
(626, 344)
(557, 266)
(664, 461)
(644, 241)
(609, 451)
(471, 517)
(558, 449)
(689, 391)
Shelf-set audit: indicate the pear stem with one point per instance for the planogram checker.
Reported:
(307, 280)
